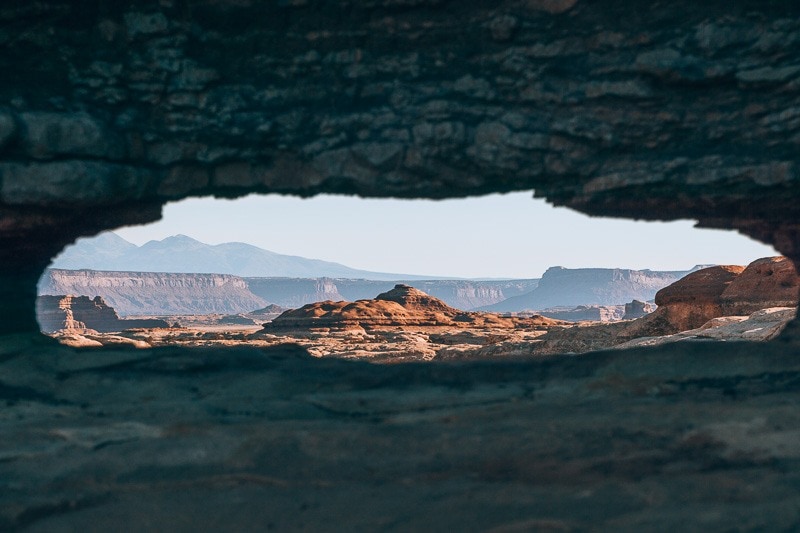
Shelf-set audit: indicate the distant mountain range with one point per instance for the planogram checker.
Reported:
(181, 254)
(180, 275)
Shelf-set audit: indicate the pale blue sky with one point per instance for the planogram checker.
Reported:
(509, 235)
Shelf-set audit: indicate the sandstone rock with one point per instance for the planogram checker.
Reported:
(415, 300)
(80, 314)
(578, 339)
(585, 313)
(763, 325)
(403, 306)
(638, 309)
(702, 287)
(259, 109)
(74, 340)
(268, 310)
(561, 286)
(49, 135)
(153, 293)
(686, 304)
(650, 439)
(767, 282)
(55, 313)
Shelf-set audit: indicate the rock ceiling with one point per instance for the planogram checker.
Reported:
(681, 110)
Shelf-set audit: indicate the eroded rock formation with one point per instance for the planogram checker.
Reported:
(637, 309)
(77, 314)
(767, 282)
(156, 293)
(771, 282)
(561, 286)
(403, 306)
(699, 305)
(688, 303)
(586, 313)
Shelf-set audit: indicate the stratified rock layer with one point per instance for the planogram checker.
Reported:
(75, 314)
(637, 309)
(561, 286)
(767, 282)
(586, 313)
(686, 304)
(403, 306)
(154, 293)
(247, 439)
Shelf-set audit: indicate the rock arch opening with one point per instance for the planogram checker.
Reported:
(494, 277)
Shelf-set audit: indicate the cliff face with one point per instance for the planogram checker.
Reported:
(76, 314)
(291, 292)
(719, 291)
(586, 313)
(401, 307)
(146, 293)
(294, 292)
(561, 286)
(688, 303)
(133, 293)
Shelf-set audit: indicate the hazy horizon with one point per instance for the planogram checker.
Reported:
(495, 236)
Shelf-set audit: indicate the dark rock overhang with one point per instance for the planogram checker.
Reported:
(659, 111)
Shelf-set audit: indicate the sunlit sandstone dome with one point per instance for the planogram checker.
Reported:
(401, 306)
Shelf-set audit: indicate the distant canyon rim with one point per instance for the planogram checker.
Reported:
(405, 324)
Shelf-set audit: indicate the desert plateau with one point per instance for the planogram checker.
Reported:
(404, 324)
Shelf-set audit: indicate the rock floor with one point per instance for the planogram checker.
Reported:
(687, 436)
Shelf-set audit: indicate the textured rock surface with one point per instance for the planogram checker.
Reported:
(561, 286)
(403, 306)
(637, 309)
(150, 293)
(55, 313)
(74, 314)
(767, 282)
(586, 313)
(169, 293)
(677, 437)
(688, 112)
(692, 308)
(292, 292)
(687, 304)
(763, 325)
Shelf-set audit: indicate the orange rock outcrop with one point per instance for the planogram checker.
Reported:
(401, 307)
